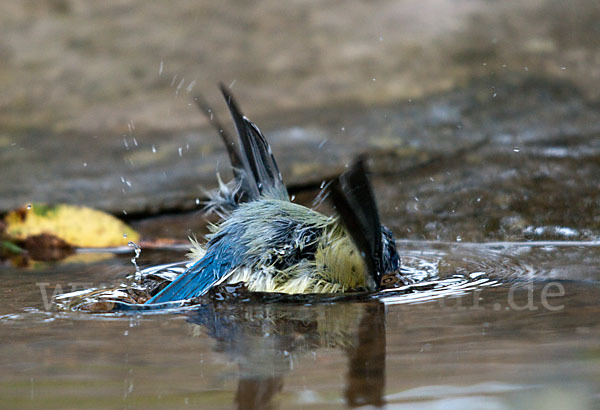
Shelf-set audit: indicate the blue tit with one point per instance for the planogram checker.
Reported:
(274, 245)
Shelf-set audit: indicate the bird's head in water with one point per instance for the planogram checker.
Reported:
(390, 260)
(354, 201)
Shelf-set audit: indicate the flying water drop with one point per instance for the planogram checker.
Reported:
(138, 251)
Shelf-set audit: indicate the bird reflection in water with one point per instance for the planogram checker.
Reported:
(267, 340)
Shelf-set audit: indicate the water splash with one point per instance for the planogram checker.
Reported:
(138, 252)
(433, 270)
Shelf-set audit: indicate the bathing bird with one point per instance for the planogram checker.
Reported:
(274, 245)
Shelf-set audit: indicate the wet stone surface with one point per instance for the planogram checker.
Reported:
(505, 158)
(535, 174)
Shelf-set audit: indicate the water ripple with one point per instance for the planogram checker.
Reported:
(434, 270)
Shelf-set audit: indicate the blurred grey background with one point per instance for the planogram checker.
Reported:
(481, 117)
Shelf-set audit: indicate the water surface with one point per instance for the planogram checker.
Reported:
(491, 326)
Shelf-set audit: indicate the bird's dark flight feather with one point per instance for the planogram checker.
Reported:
(354, 201)
(263, 176)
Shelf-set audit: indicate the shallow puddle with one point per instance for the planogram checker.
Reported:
(484, 326)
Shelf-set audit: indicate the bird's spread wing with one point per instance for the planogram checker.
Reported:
(256, 176)
(261, 176)
(254, 167)
(354, 201)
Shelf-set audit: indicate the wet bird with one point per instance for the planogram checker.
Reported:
(274, 245)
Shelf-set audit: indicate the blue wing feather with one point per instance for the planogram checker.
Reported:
(214, 267)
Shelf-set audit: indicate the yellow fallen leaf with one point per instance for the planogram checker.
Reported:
(79, 226)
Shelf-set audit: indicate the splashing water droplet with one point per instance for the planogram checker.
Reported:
(179, 86)
(137, 251)
(126, 182)
(191, 86)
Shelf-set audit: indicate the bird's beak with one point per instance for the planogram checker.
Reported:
(391, 280)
